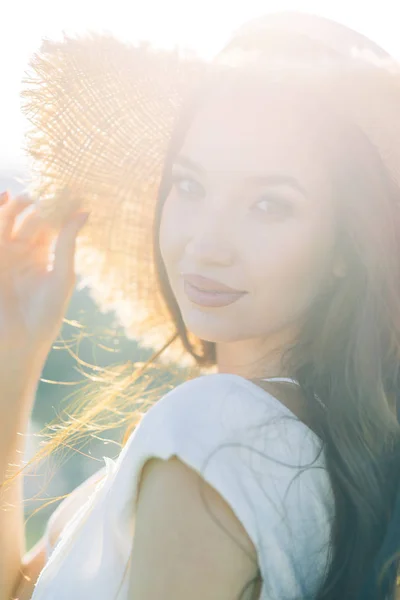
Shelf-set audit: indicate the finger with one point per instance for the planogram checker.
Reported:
(31, 228)
(8, 298)
(64, 251)
(9, 213)
(4, 197)
(41, 249)
(35, 251)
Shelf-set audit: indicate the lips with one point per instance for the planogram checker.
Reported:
(210, 285)
(208, 292)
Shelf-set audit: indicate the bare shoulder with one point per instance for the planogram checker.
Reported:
(187, 540)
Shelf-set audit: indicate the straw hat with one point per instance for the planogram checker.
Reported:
(102, 113)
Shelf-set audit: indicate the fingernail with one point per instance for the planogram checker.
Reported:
(4, 196)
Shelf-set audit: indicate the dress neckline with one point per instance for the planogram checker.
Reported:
(274, 399)
(281, 379)
(295, 382)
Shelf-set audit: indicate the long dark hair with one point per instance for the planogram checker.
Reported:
(348, 354)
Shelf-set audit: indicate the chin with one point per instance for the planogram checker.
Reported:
(211, 327)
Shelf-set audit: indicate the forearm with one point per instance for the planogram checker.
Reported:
(12, 446)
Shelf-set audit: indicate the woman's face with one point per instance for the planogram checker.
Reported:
(251, 208)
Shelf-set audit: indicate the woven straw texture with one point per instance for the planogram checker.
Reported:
(102, 115)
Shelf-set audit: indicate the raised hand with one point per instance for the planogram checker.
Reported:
(37, 279)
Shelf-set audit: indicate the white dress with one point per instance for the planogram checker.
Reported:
(262, 460)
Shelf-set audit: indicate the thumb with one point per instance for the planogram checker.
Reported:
(64, 251)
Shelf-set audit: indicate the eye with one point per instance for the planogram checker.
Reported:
(187, 186)
(273, 204)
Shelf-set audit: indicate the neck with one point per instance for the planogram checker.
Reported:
(255, 358)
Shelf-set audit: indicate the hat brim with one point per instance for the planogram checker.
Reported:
(102, 115)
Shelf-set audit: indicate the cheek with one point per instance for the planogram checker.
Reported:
(291, 264)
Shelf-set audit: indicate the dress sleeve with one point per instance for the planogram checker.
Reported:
(65, 511)
(266, 464)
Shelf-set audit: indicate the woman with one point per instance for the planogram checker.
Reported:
(274, 203)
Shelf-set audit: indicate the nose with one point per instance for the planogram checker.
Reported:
(211, 242)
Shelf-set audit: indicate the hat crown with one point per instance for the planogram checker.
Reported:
(332, 35)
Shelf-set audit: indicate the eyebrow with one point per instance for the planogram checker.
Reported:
(271, 179)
